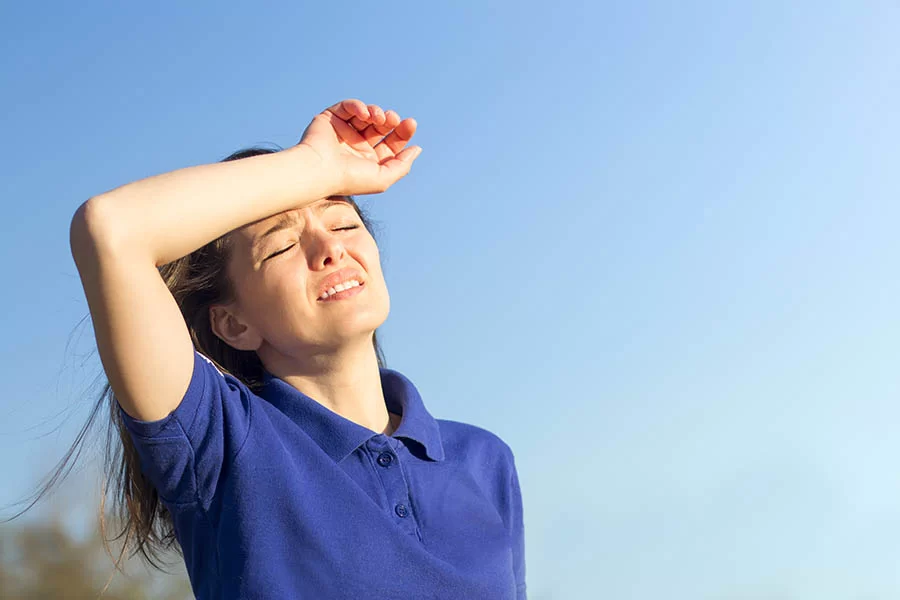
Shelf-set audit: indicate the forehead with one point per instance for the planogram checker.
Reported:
(251, 232)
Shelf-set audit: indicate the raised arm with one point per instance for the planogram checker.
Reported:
(120, 237)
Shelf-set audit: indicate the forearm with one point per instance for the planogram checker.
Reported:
(170, 215)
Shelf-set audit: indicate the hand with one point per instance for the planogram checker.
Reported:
(364, 145)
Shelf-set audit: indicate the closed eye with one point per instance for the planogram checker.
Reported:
(282, 251)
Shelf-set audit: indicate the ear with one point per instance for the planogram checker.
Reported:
(228, 327)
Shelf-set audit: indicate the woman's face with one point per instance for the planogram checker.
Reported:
(285, 269)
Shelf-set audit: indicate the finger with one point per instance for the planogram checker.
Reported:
(374, 134)
(400, 136)
(383, 152)
(391, 119)
(376, 114)
(347, 109)
(385, 121)
(358, 123)
(349, 134)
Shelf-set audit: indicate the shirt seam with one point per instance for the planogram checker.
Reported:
(203, 509)
(246, 433)
(237, 452)
(197, 499)
(202, 359)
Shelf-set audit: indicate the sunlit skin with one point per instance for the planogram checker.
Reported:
(322, 348)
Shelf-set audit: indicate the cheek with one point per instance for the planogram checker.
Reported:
(276, 299)
(379, 285)
(365, 251)
(289, 294)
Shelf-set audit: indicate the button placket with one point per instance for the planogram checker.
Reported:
(396, 488)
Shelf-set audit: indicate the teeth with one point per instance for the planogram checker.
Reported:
(352, 283)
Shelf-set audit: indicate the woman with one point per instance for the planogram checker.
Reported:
(235, 308)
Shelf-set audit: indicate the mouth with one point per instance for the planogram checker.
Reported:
(342, 291)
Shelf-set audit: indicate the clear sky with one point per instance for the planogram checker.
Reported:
(652, 246)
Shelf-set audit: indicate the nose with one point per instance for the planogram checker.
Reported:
(325, 248)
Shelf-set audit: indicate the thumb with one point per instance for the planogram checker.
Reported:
(399, 165)
(409, 154)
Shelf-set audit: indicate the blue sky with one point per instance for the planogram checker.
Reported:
(653, 247)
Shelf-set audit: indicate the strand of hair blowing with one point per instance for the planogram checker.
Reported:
(145, 525)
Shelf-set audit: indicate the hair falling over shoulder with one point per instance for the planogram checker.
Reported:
(137, 518)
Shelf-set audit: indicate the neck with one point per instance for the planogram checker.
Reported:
(345, 381)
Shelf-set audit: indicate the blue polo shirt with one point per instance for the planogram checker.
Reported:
(275, 496)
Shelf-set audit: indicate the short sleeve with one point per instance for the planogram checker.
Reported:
(185, 453)
(517, 529)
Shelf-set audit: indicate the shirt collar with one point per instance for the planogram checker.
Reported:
(339, 436)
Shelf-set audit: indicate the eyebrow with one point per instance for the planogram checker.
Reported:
(285, 221)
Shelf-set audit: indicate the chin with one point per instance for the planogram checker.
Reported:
(358, 325)
(370, 317)
(360, 322)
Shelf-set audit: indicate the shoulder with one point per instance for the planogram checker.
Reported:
(464, 439)
(219, 377)
(486, 458)
(208, 361)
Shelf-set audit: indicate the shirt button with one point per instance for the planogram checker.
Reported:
(401, 510)
(385, 459)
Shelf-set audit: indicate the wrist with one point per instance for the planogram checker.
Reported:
(317, 167)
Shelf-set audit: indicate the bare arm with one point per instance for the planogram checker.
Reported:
(120, 237)
(167, 216)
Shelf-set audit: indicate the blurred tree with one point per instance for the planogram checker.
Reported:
(44, 561)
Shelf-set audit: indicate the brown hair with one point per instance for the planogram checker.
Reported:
(196, 281)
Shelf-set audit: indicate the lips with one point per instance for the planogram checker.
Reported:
(339, 276)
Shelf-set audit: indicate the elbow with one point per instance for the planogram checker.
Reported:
(92, 230)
